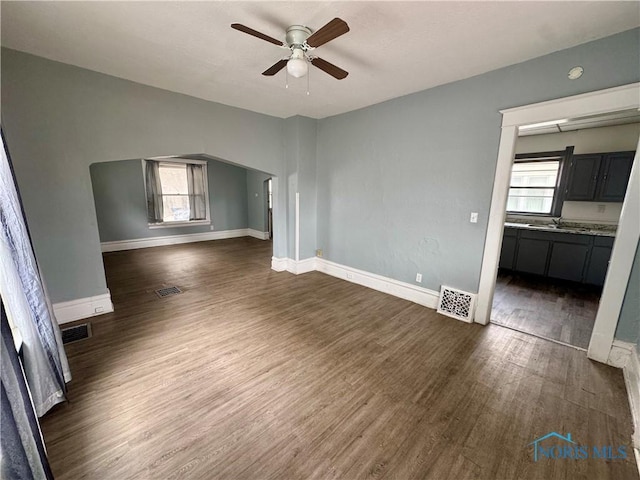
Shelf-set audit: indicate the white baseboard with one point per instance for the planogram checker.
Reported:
(279, 264)
(70, 311)
(257, 234)
(421, 296)
(632, 381)
(620, 353)
(175, 239)
(624, 355)
(291, 266)
(303, 266)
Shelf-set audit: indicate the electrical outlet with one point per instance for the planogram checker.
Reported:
(474, 217)
(319, 252)
(211, 228)
(419, 277)
(601, 208)
(349, 275)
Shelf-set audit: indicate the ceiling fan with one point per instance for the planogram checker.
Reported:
(302, 42)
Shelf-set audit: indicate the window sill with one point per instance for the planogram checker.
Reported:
(529, 214)
(153, 226)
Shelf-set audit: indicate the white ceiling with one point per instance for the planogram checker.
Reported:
(189, 47)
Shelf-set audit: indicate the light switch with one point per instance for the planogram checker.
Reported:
(474, 217)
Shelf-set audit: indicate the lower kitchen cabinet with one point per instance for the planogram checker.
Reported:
(599, 261)
(508, 252)
(567, 261)
(531, 256)
(567, 256)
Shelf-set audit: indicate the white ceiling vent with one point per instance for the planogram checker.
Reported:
(457, 304)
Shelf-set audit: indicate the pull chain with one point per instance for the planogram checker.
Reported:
(308, 75)
(286, 78)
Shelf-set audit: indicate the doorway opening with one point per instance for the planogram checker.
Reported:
(567, 185)
(617, 99)
(231, 202)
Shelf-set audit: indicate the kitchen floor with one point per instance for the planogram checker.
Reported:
(553, 309)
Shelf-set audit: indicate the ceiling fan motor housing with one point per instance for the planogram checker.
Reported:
(297, 36)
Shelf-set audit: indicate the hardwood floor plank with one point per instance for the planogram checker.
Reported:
(254, 374)
(549, 308)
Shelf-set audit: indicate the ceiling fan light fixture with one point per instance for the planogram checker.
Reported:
(297, 65)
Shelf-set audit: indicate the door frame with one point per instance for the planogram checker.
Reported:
(609, 100)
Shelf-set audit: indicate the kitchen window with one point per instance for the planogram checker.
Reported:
(535, 183)
(177, 192)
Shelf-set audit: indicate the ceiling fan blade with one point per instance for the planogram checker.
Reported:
(275, 68)
(331, 30)
(329, 68)
(255, 33)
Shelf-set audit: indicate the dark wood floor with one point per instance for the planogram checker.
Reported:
(253, 374)
(563, 311)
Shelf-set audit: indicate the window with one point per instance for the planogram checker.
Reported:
(177, 192)
(537, 182)
(533, 186)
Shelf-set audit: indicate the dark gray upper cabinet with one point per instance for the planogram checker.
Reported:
(615, 171)
(600, 177)
(583, 177)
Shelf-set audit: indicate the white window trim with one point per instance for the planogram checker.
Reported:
(191, 223)
(154, 226)
(556, 187)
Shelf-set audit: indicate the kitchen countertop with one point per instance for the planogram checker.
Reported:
(598, 230)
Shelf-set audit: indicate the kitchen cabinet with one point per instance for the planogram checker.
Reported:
(601, 177)
(531, 256)
(508, 252)
(616, 170)
(583, 177)
(567, 256)
(599, 262)
(567, 261)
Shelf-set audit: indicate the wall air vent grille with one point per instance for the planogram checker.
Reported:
(457, 304)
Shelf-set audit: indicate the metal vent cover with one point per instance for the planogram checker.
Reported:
(167, 291)
(457, 303)
(76, 333)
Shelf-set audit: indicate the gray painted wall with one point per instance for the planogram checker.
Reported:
(393, 184)
(119, 195)
(397, 181)
(629, 322)
(257, 200)
(59, 119)
(300, 139)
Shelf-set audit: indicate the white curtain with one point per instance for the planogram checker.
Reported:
(197, 191)
(28, 307)
(21, 444)
(154, 191)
